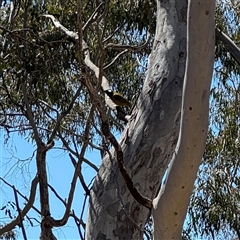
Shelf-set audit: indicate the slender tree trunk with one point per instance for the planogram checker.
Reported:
(170, 206)
(150, 137)
(46, 229)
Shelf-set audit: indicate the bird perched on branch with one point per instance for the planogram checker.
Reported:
(117, 98)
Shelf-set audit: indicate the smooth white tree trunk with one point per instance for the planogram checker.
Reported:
(171, 204)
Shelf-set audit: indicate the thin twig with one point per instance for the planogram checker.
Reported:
(66, 145)
(78, 226)
(29, 115)
(84, 204)
(139, 63)
(47, 105)
(19, 214)
(29, 205)
(92, 18)
(128, 47)
(81, 178)
(64, 114)
(57, 195)
(115, 59)
(115, 31)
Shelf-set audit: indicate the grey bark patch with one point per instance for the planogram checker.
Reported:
(112, 209)
(102, 236)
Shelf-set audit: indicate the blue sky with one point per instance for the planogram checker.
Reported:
(60, 171)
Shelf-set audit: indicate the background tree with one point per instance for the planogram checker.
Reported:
(52, 75)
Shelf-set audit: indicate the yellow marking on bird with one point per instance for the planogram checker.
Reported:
(117, 98)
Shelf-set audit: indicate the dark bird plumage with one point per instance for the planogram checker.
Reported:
(117, 98)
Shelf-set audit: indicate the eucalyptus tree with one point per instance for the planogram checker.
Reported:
(58, 57)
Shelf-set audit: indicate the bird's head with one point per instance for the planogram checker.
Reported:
(109, 92)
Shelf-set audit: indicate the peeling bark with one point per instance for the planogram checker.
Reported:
(148, 140)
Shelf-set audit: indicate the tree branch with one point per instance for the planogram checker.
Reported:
(25, 210)
(61, 222)
(66, 145)
(115, 31)
(29, 115)
(57, 24)
(78, 226)
(92, 18)
(84, 185)
(115, 59)
(128, 47)
(63, 114)
(137, 196)
(57, 195)
(229, 44)
(20, 214)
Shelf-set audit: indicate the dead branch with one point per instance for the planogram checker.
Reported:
(137, 195)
